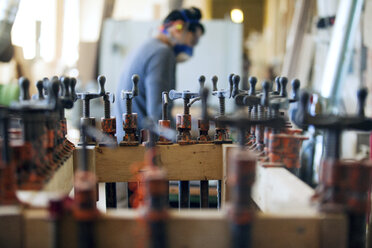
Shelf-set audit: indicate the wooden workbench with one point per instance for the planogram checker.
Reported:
(207, 228)
(187, 162)
(288, 219)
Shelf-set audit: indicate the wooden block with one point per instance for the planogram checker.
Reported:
(188, 162)
(10, 227)
(276, 190)
(62, 180)
(194, 228)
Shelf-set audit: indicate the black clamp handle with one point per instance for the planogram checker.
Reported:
(134, 92)
(89, 96)
(241, 122)
(165, 102)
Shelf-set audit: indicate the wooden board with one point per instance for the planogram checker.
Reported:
(62, 179)
(125, 228)
(188, 162)
(275, 190)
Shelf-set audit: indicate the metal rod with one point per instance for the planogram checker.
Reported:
(86, 234)
(219, 195)
(357, 230)
(204, 194)
(110, 189)
(184, 194)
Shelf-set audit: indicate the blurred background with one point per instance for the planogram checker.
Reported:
(324, 43)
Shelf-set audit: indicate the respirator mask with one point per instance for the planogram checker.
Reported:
(182, 52)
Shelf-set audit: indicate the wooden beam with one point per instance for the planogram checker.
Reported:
(126, 228)
(189, 162)
(275, 190)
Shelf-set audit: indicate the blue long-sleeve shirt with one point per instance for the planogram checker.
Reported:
(155, 63)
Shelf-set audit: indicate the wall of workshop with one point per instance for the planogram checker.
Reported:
(253, 13)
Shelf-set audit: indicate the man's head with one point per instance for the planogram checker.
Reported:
(184, 29)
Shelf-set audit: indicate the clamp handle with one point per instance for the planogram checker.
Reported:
(221, 93)
(173, 95)
(165, 102)
(362, 97)
(53, 91)
(236, 80)
(40, 88)
(283, 86)
(101, 84)
(214, 82)
(72, 88)
(265, 99)
(24, 87)
(252, 86)
(277, 86)
(201, 82)
(231, 84)
(66, 87)
(134, 92)
(135, 80)
(295, 89)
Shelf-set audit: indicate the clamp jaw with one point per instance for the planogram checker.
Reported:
(183, 121)
(221, 132)
(130, 119)
(86, 119)
(108, 122)
(164, 122)
(343, 184)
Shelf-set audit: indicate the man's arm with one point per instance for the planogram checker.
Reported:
(159, 77)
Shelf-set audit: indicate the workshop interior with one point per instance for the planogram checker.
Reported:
(119, 130)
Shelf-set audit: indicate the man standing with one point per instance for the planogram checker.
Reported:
(155, 63)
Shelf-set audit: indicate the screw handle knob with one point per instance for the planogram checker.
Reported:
(53, 90)
(265, 96)
(201, 82)
(72, 88)
(135, 80)
(295, 88)
(214, 82)
(24, 86)
(304, 102)
(362, 97)
(236, 80)
(101, 84)
(66, 86)
(277, 84)
(231, 84)
(252, 86)
(283, 86)
(165, 101)
(40, 88)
